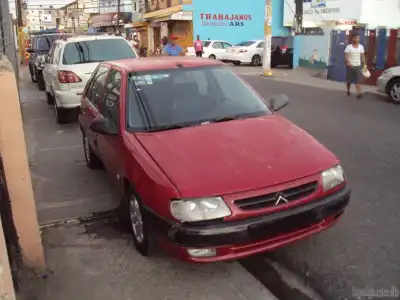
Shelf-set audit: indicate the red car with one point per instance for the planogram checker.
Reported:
(207, 170)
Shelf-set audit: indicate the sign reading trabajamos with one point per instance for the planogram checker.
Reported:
(224, 20)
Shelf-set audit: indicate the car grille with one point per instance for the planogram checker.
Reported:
(268, 200)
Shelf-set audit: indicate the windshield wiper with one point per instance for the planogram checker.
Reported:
(167, 127)
(226, 119)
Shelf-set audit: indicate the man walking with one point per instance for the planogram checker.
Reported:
(198, 47)
(355, 62)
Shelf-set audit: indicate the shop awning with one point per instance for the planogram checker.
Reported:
(166, 12)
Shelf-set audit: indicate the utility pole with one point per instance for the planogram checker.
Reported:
(118, 12)
(266, 64)
(299, 17)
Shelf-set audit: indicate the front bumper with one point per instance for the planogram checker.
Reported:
(237, 239)
(381, 84)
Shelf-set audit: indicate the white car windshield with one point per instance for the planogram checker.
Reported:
(169, 99)
(97, 51)
(245, 43)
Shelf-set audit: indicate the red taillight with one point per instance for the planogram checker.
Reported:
(68, 77)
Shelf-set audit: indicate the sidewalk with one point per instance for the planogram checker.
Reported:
(96, 261)
(301, 76)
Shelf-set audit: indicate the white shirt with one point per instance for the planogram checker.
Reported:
(354, 54)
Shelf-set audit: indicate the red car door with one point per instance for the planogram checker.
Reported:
(111, 147)
(91, 104)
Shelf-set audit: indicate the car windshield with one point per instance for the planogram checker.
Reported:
(206, 44)
(169, 99)
(245, 43)
(97, 51)
(45, 42)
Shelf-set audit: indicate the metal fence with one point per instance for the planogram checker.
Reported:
(7, 36)
(10, 233)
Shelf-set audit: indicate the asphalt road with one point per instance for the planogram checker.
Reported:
(360, 252)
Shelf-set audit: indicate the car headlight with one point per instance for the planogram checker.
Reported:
(332, 177)
(199, 209)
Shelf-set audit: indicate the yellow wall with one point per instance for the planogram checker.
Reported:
(184, 31)
(163, 4)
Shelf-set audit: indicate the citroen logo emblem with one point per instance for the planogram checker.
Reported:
(280, 199)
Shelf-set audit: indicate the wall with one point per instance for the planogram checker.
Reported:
(6, 286)
(388, 16)
(313, 51)
(277, 19)
(249, 23)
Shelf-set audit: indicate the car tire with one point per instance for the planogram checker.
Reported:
(140, 226)
(212, 56)
(236, 63)
(93, 162)
(40, 81)
(393, 90)
(32, 72)
(256, 60)
(49, 98)
(62, 115)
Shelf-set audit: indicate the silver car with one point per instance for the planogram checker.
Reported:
(70, 64)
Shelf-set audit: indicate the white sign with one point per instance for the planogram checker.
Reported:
(45, 19)
(182, 16)
(316, 12)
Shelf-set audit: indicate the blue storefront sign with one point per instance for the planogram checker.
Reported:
(232, 21)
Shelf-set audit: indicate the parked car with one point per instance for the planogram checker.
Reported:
(214, 49)
(247, 52)
(40, 48)
(207, 170)
(389, 84)
(282, 57)
(71, 63)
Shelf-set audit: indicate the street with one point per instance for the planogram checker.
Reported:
(360, 252)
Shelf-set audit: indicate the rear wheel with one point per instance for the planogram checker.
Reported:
(49, 98)
(394, 90)
(212, 56)
(62, 114)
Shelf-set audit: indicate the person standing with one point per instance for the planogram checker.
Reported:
(172, 48)
(198, 47)
(355, 63)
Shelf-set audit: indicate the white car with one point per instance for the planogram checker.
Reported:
(389, 83)
(214, 49)
(247, 52)
(70, 64)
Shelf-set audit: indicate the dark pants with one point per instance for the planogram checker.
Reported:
(354, 75)
(199, 53)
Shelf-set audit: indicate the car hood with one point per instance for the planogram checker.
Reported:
(235, 156)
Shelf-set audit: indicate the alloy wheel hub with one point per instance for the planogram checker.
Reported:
(136, 219)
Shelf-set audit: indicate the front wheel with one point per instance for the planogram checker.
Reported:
(140, 226)
(256, 60)
(33, 73)
(92, 160)
(394, 91)
(40, 81)
(212, 56)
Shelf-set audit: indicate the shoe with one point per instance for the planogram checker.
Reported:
(359, 96)
(348, 93)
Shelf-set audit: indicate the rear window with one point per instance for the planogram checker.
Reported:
(97, 51)
(245, 43)
(44, 42)
(206, 44)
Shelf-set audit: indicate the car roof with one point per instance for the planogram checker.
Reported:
(80, 38)
(163, 63)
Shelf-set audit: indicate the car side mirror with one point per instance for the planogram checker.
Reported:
(30, 50)
(277, 102)
(104, 127)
